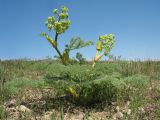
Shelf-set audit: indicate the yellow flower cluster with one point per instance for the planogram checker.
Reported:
(62, 23)
(104, 44)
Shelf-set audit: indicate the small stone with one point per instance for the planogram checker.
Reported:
(117, 108)
(119, 115)
(113, 103)
(23, 108)
(141, 110)
(128, 103)
(150, 88)
(129, 111)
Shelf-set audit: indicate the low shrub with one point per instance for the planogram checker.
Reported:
(99, 90)
(86, 87)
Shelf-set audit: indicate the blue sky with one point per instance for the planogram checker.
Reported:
(135, 23)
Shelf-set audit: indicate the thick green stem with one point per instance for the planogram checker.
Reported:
(56, 48)
(56, 38)
(97, 58)
(59, 53)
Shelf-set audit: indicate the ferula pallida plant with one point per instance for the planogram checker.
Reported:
(60, 23)
(104, 45)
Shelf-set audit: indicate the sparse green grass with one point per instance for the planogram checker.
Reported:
(3, 115)
(22, 83)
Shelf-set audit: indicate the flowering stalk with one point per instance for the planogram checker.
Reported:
(104, 45)
(60, 25)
